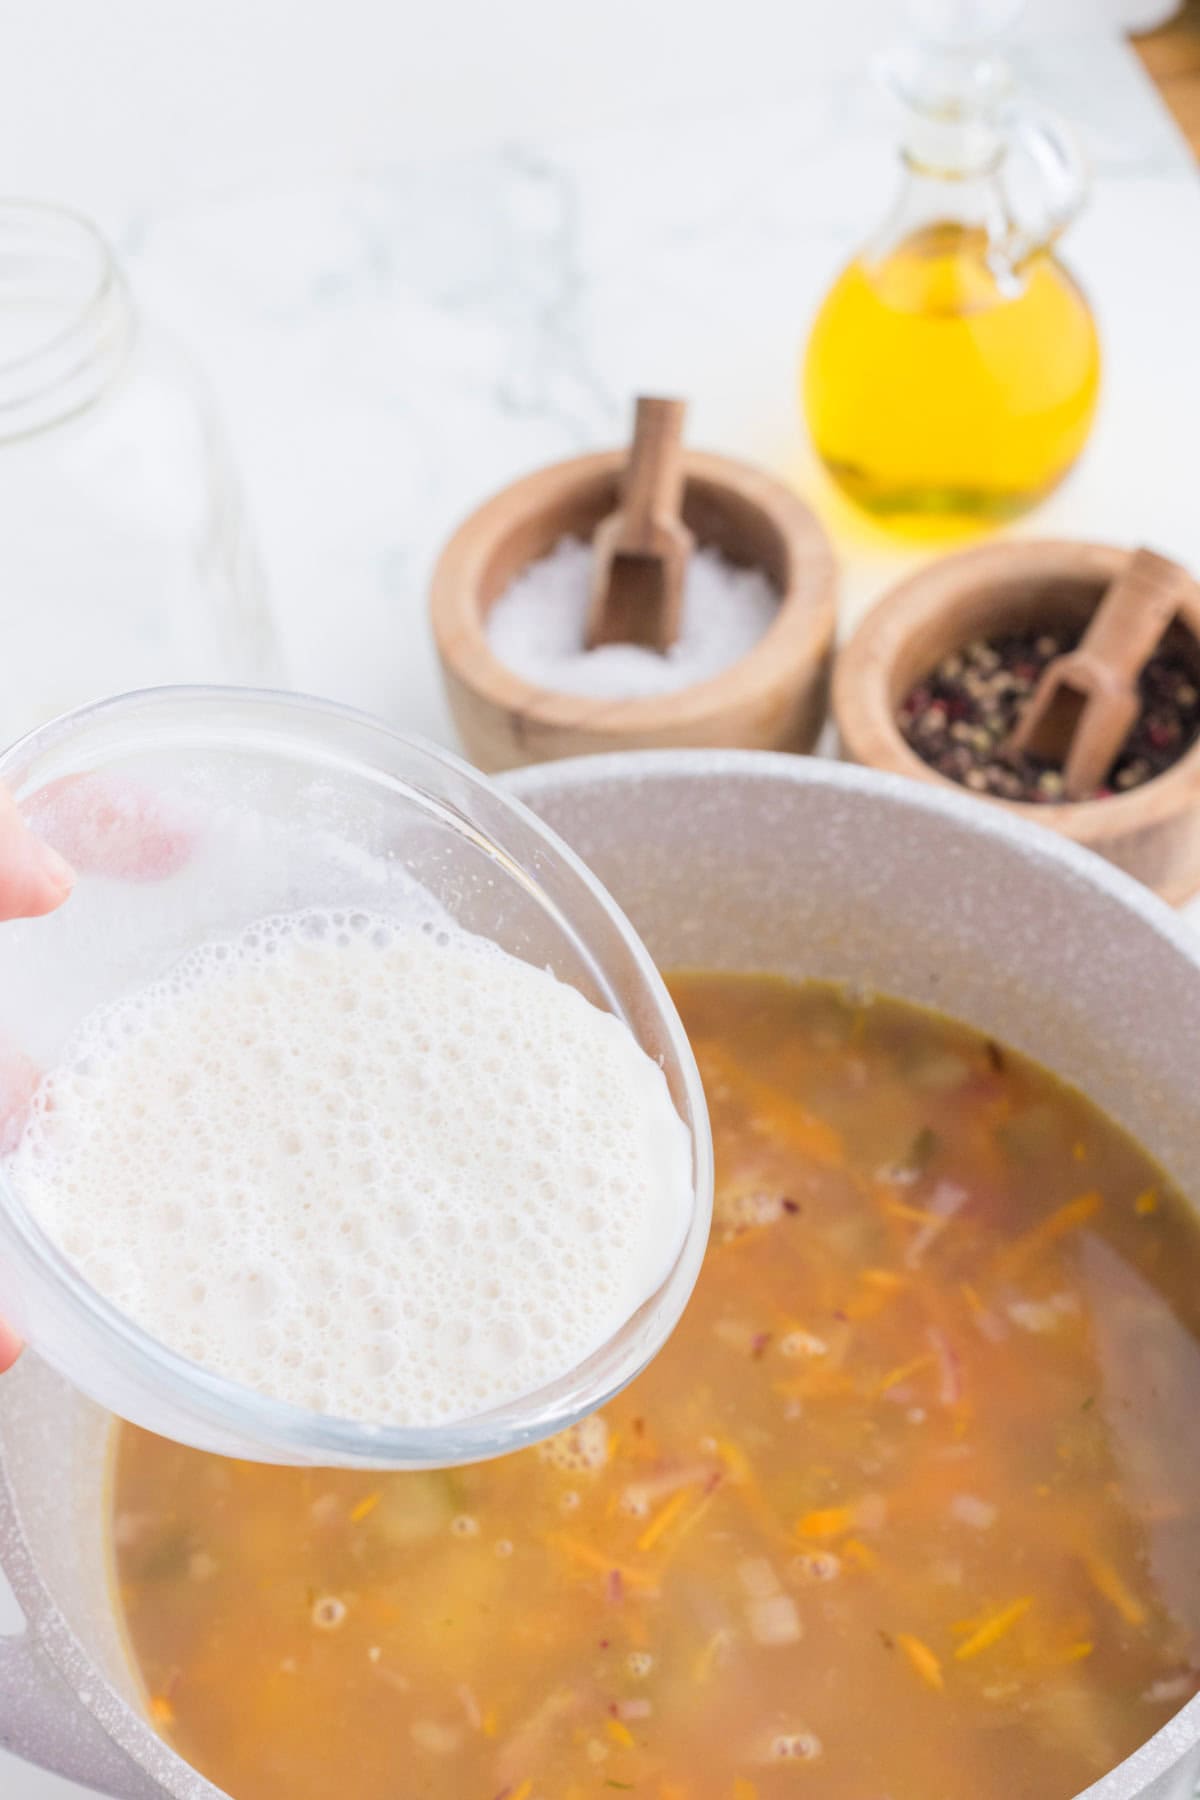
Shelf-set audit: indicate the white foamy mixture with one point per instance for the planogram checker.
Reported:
(382, 1171)
(537, 627)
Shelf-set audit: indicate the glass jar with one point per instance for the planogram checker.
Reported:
(124, 555)
(953, 369)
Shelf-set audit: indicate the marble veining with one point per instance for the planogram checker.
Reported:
(392, 344)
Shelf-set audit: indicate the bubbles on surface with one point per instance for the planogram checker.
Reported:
(384, 1172)
(579, 1448)
(794, 1746)
(328, 1612)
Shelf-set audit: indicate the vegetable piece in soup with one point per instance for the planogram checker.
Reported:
(907, 1507)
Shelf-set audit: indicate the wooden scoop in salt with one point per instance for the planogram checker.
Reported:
(1087, 700)
(641, 550)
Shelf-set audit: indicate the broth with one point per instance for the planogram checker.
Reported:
(905, 1509)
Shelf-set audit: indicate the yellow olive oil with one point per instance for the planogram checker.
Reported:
(938, 383)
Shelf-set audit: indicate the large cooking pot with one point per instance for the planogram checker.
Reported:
(722, 859)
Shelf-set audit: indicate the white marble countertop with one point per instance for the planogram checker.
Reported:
(390, 345)
(420, 256)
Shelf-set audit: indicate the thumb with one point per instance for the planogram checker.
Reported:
(34, 879)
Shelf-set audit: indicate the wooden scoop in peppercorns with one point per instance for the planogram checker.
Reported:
(1087, 700)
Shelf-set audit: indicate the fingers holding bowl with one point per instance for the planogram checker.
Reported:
(114, 828)
(34, 877)
(118, 830)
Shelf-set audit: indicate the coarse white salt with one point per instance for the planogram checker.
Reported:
(537, 627)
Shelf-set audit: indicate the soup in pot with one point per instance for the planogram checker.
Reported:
(906, 1508)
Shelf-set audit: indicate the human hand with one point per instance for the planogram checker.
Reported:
(34, 879)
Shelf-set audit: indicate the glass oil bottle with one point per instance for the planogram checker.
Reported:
(953, 369)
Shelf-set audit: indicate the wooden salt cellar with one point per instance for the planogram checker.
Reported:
(773, 698)
(1153, 832)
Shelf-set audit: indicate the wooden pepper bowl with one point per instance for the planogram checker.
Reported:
(1153, 831)
(773, 698)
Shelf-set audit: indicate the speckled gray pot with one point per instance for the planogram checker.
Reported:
(722, 859)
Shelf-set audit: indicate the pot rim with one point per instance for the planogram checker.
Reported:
(1023, 827)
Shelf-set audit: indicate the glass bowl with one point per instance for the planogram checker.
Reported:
(189, 813)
